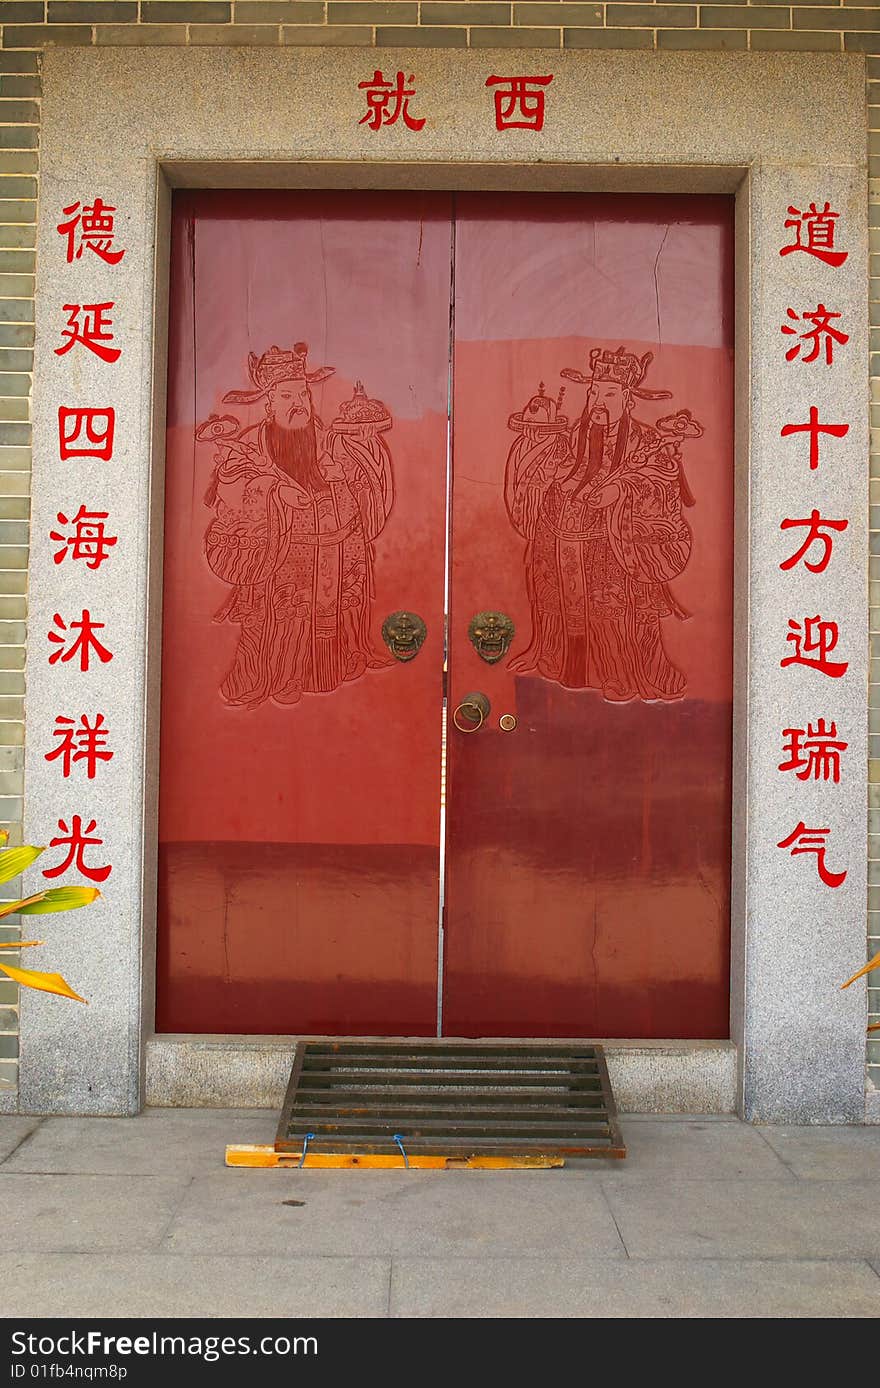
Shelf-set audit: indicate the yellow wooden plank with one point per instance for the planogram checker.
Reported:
(252, 1154)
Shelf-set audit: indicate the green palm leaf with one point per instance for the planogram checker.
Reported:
(15, 860)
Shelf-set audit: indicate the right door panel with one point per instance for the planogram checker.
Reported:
(589, 847)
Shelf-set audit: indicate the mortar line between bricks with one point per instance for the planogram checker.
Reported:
(22, 1140)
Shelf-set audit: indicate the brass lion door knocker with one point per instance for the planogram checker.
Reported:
(490, 634)
(404, 634)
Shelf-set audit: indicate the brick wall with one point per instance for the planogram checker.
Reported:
(30, 25)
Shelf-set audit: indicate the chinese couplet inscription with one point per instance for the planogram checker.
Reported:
(82, 537)
(816, 339)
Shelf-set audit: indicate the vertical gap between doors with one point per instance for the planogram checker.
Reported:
(444, 716)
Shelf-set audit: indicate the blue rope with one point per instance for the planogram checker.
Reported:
(398, 1138)
(306, 1141)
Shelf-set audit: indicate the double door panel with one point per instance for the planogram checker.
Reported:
(587, 847)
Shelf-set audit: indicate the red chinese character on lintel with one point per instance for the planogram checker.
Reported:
(804, 840)
(821, 329)
(813, 752)
(80, 742)
(95, 224)
(814, 429)
(93, 332)
(519, 102)
(88, 541)
(77, 840)
(82, 644)
(813, 642)
(387, 103)
(86, 433)
(820, 228)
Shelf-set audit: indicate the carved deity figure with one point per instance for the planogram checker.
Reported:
(296, 509)
(600, 506)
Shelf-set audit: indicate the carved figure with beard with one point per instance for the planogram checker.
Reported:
(296, 508)
(600, 504)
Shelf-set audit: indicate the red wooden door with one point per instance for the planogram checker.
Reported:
(589, 847)
(299, 790)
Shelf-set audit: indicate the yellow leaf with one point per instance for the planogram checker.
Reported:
(15, 860)
(4, 836)
(874, 1027)
(46, 983)
(871, 964)
(57, 899)
(10, 908)
(20, 944)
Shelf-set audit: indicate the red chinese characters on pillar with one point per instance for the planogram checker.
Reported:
(84, 742)
(821, 332)
(388, 102)
(82, 644)
(814, 429)
(88, 539)
(89, 324)
(817, 530)
(813, 641)
(86, 433)
(813, 752)
(804, 840)
(90, 225)
(813, 232)
(76, 840)
(519, 101)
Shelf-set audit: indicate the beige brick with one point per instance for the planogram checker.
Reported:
(608, 38)
(19, 161)
(743, 17)
(19, 136)
(12, 84)
(134, 35)
(91, 11)
(368, 12)
(704, 39)
(473, 12)
(184, 12)
(569, 12)
(799, 41)
(234, 35)
(19, 112)
(19, 61)
(430, 37)
(12, 407)
(330, 35)
(651, 16)
(16, 286)
(44, 36)
(861, 43)
(817, 17)
(516, 38)
(278, 11)
(17, 186)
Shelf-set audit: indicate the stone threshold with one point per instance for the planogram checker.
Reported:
(188, 1071)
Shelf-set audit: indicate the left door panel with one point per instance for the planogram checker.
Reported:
(304, 503)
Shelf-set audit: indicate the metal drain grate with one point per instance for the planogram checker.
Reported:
(457, 1099)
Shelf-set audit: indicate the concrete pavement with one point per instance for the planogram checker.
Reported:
(707, 1217)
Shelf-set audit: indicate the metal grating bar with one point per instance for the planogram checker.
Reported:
(453, 1099)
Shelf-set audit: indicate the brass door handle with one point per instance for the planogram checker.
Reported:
(475, 708)
(403, 634)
